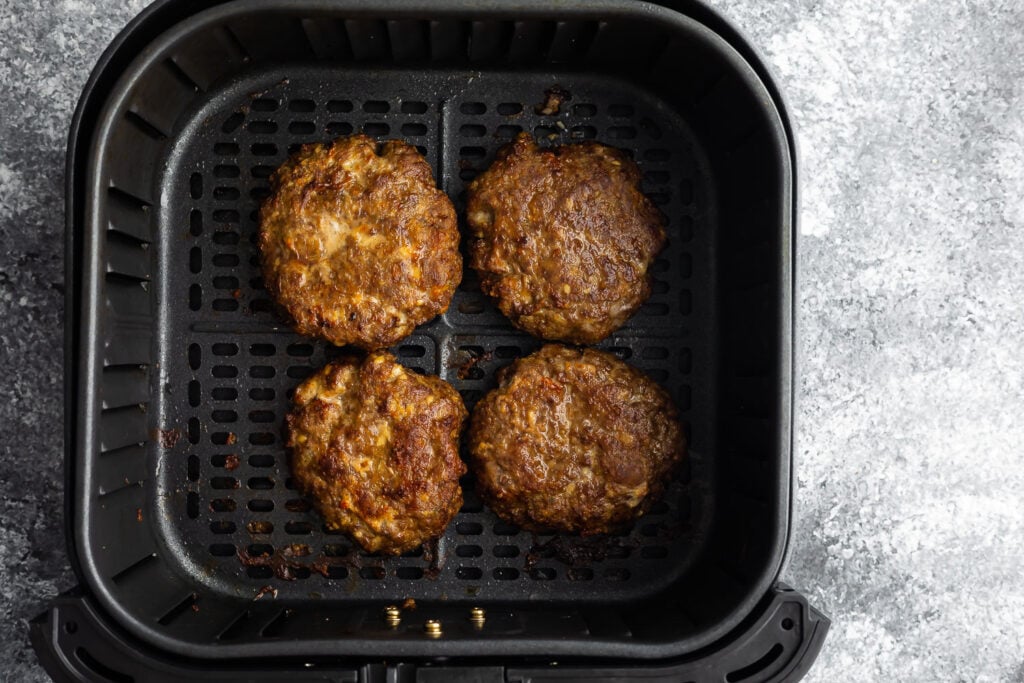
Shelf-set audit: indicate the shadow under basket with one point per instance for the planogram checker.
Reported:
(196, 555)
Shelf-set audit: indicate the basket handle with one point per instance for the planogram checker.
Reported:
(76, 642)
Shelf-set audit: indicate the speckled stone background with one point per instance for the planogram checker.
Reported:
(910, 498)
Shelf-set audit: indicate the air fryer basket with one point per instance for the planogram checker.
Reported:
(225, 482)
(187, 530)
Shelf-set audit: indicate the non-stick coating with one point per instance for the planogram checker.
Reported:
(231, 362)
(183, 524)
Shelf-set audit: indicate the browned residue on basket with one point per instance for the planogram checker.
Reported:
(266, 590)
(258, 527)
(322, 567)
(296, 550)
(138, 514)
(259, 94)
(466, 366)
(231, 462)
(575, 551)
(168, 438)
(432, 556)
(554, 98)
(282, 562)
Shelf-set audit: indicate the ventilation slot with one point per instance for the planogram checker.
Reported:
(757, 667)
(178, 610)
(369, 39)
(101, 670)
(147, 128)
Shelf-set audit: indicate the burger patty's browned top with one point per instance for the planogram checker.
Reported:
(376, 446)
(573, 440)
(359, 245)
(563, 238)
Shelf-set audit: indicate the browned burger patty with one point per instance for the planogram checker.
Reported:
(563, 238)
(358, 244)
(376, 446)
(574, 440)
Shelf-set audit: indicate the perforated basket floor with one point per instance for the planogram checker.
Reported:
(230, 364)
(184, 525)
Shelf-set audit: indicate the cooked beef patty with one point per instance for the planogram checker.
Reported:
(563, 238)
(358, 244)
(574, 440)
(376, 447)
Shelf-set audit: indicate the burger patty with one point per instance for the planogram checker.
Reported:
(358, 244)
(563, 238)
(376, 446)
(574, 440)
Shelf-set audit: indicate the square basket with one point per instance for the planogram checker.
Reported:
(186, 530)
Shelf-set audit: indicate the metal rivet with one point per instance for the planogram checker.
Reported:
(478, 617)
(433, 628)
(392, 615)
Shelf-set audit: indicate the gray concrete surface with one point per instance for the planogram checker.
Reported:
(910, 500)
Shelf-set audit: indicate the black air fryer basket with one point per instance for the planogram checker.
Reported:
(197, 557)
